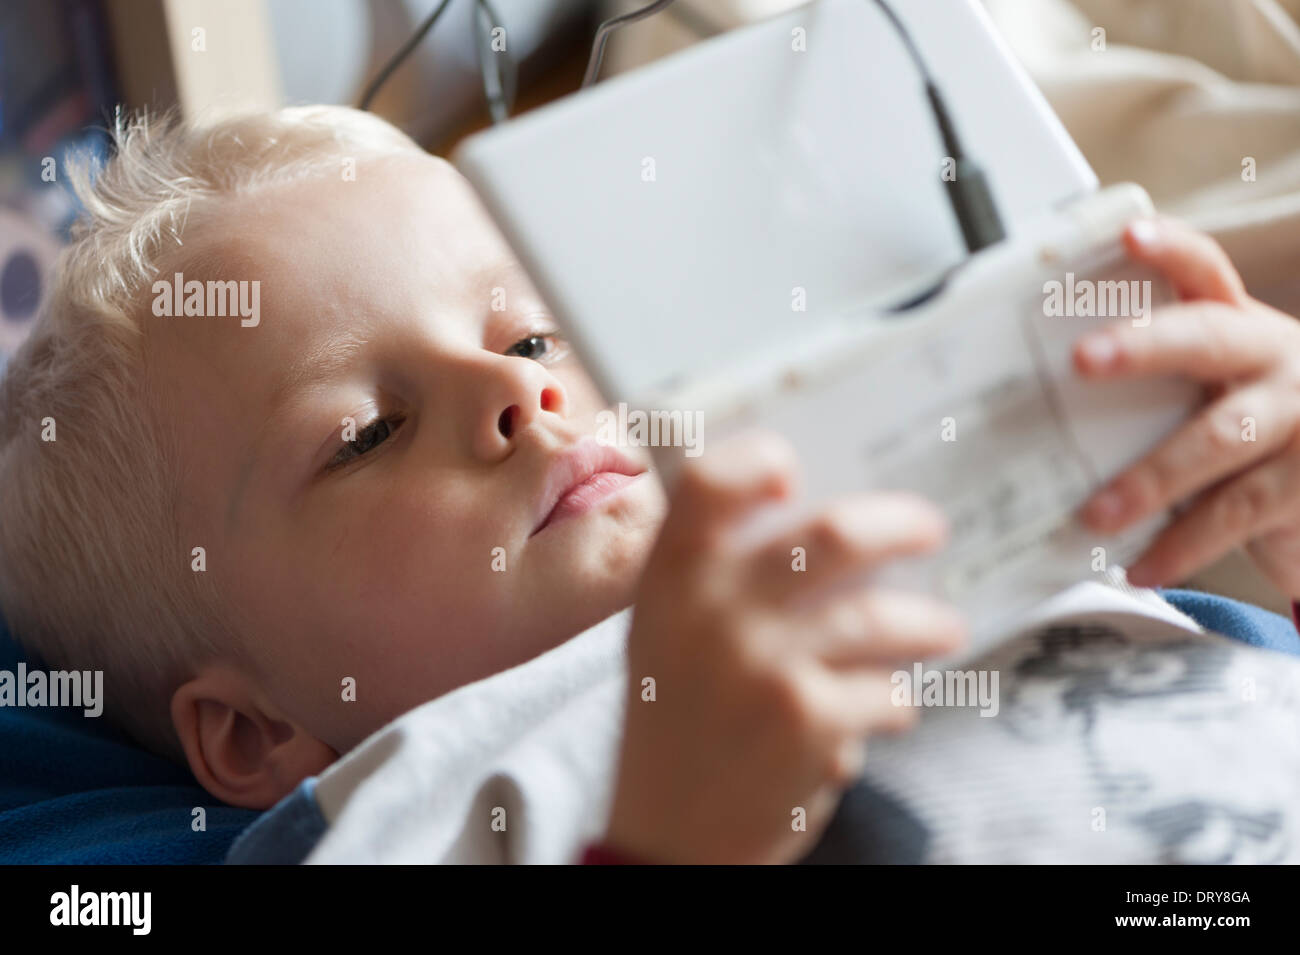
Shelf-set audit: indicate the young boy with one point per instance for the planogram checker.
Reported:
(244, 509)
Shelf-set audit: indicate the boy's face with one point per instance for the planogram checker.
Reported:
(409, 560)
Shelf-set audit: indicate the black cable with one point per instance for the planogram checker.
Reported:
(907, 42)
(397, 58)
(498, 83)
(608, 27)
(968, 191)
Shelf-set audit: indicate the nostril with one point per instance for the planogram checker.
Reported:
(505, 423)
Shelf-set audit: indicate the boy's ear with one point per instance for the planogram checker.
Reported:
(239, 748)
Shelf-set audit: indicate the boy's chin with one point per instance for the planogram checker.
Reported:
(596, 540)
(595, 555)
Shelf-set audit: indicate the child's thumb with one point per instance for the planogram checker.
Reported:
(716, 489)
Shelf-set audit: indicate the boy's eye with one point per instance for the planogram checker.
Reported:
(369, 437)
(548, 345)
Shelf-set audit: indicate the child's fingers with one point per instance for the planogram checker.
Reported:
(1241, 427)
(854, 703)
(872, 625)
(847, 537)
(1193, 262)
(1226, 517)
(1208, 341)
(716, 489)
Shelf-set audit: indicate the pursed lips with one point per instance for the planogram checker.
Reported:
(580, 477)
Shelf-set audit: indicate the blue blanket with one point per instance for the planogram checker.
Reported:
(74, 790)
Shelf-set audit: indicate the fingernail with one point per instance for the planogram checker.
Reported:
(1144, 232)
(1099, 350)
(1106, 509)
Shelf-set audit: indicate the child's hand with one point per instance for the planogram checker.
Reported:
(1241, 453)
(761, 707)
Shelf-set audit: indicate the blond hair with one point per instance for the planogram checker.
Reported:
(93, 571)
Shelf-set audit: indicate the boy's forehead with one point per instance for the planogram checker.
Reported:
(383, 238)
(415, 213)
(334, 255)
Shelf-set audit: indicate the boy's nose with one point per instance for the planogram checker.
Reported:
(516, 416)
(519, 391)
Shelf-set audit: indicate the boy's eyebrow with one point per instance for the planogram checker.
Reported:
(324, 360)
(502, 270)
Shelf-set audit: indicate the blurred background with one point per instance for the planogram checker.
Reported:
(65, 65)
